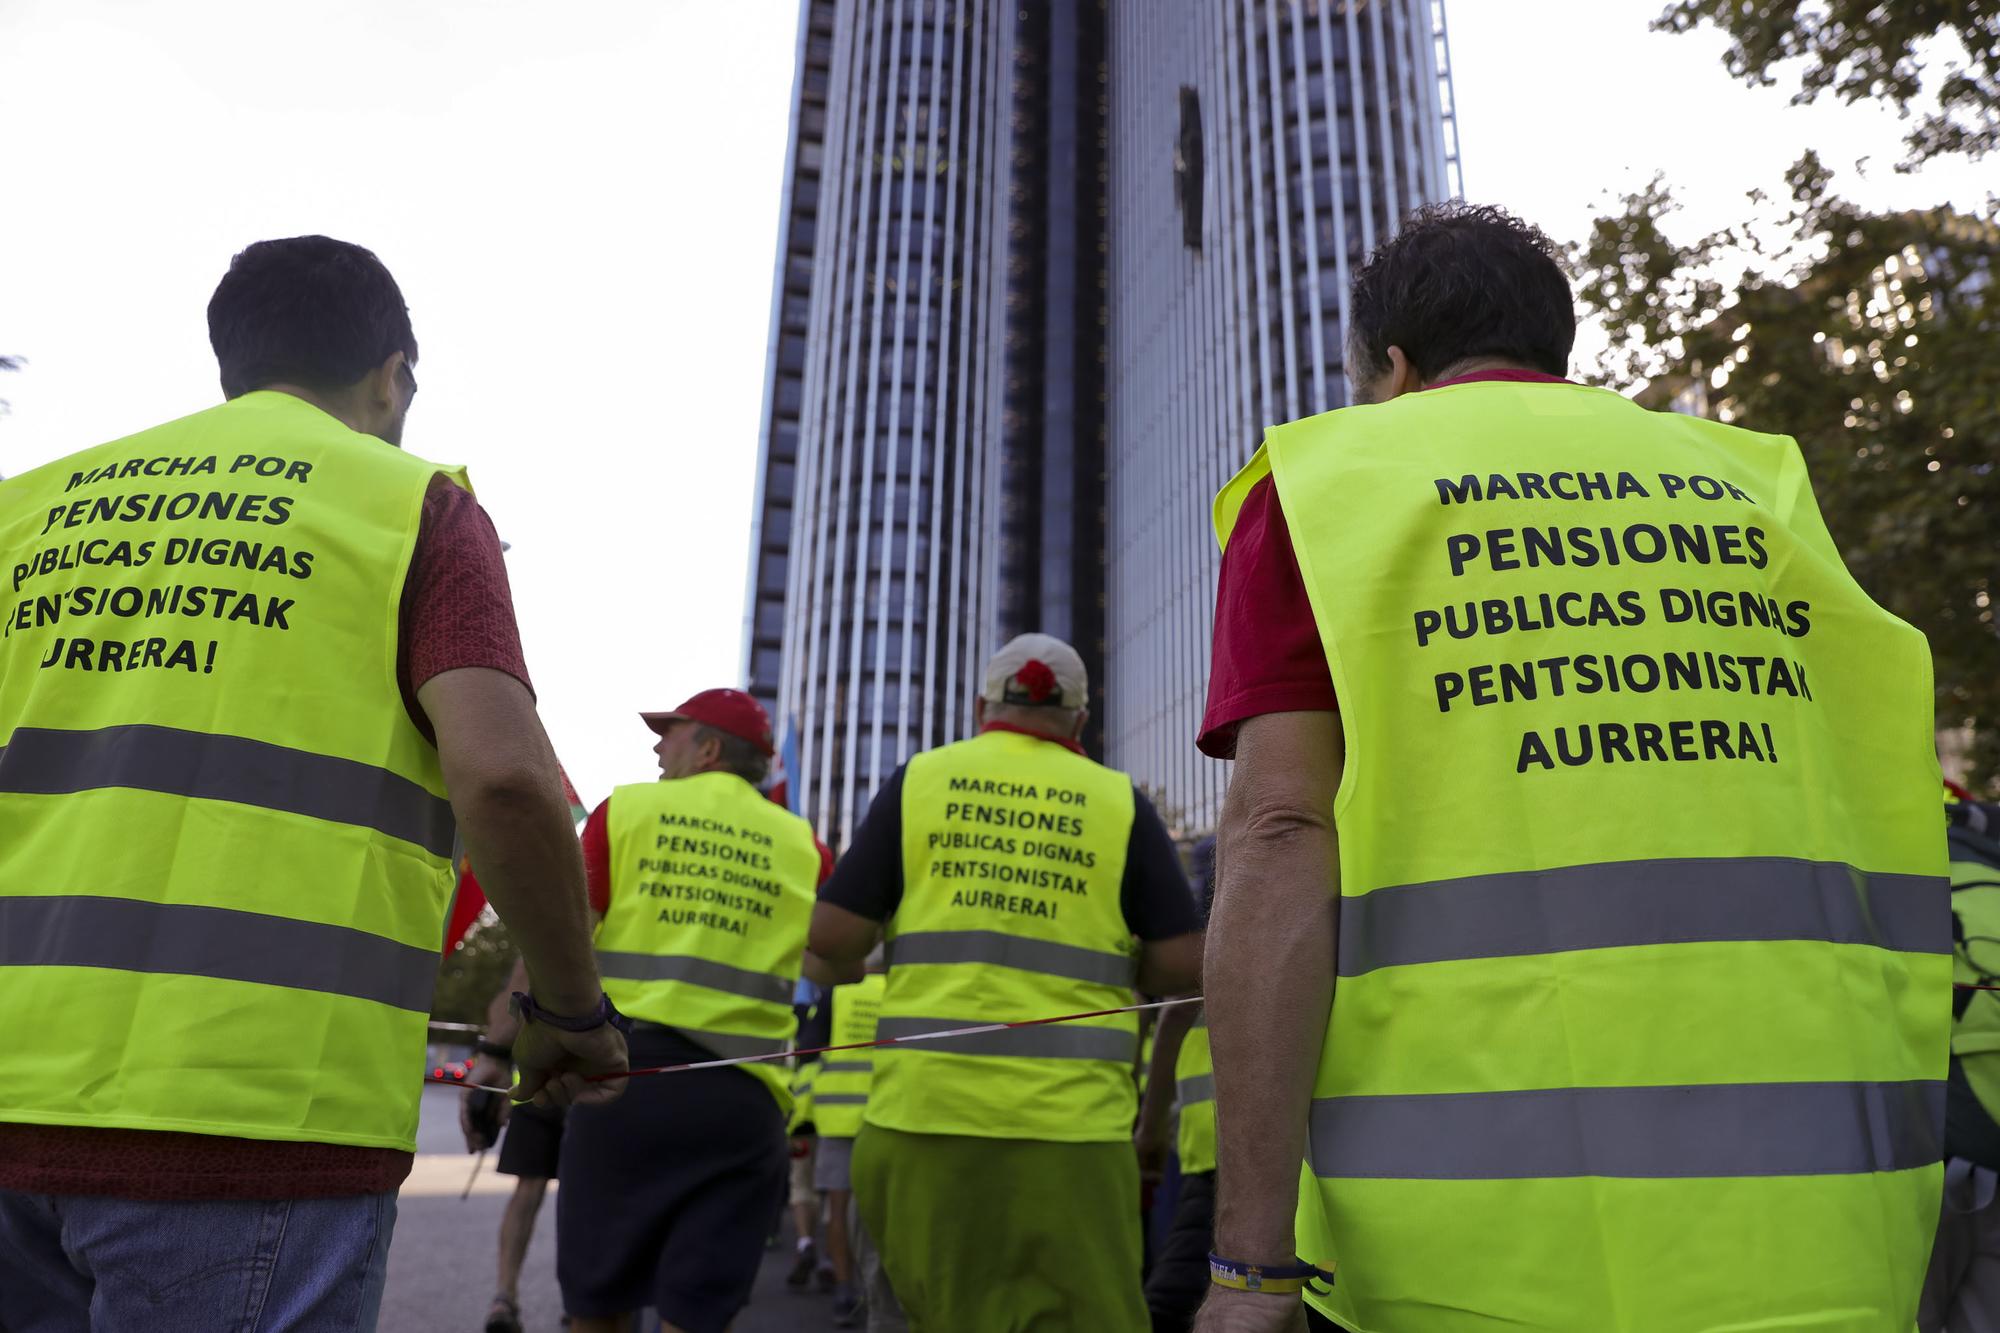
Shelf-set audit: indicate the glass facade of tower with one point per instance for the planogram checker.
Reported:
(1045, 271)
(1258, 151)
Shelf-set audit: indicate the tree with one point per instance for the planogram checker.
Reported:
(9, 363)
(1874, 340)
(473, 973)
(1868, 50)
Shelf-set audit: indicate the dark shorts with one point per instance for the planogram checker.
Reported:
(533, 1144)
(669, 1192)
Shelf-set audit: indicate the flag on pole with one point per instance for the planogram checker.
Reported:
(783, 767)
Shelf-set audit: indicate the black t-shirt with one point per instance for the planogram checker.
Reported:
(1155, 897)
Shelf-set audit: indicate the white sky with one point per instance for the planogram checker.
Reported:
(580, 203)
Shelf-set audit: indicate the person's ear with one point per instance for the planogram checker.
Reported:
(1082, 717)
(711, 751)
(979, 711)
(1404, 376)
(384, 384)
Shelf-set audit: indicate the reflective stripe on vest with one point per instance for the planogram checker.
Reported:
(1642, 910)
(711, 896)
(207, 767)
(224, 844)
(996, 949)
(1013, 861)
(846, 1075)
(727, 1045)
(803, 1078)
(699, 971)
(1056, 1041)
(182, 939)
(1194, 1085)
(1626, 903)
(1706, 1130)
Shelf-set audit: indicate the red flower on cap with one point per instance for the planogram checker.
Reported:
(1037, 678)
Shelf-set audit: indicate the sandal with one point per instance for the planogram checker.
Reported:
(504, 1315)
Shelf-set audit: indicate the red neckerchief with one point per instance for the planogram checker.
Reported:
(1023, 731)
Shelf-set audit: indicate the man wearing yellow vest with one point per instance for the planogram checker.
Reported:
(1583, 924)
(704, 890)
(1013, 878)
(256, 661)
(840, 1096)
(1181, 1080)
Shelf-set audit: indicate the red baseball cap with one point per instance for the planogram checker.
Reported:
(730, 711)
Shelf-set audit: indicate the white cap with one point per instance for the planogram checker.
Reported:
(1036, 670)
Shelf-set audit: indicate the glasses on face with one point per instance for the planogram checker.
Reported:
(411, 376)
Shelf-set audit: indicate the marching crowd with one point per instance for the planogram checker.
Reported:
(1503, 1001)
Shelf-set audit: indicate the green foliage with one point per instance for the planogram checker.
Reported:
(474, 972)
(1874, 340)
(1868, 50)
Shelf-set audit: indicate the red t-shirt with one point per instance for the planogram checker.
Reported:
(1267, 653)
(457, 612)
(597, 857)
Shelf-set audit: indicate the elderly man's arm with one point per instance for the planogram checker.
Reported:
(1270, 971)
(508, 795)
(840, 941)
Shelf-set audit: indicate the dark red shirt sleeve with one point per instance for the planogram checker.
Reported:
(825, 860)
(597, 857)
(1267, 656)
(458, 610)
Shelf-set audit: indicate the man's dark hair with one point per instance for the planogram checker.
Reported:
(1461, 281)
(308, 310)
(739, 756)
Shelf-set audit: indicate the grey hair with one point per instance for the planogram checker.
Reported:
(1039, 718)
(739, 756)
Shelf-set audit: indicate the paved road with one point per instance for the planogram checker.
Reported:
(441, 1266)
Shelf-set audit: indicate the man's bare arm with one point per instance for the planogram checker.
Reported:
(1270, 971)
(1171, 966)
(823, 973)
(1156, 1101)
(840, 937)
(508, 795)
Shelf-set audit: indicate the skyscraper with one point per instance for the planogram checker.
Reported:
(1259, 150)
(1046, 269)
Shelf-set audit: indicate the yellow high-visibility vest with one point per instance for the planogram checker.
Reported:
(1013, 860)
(845, 1075)
(804, 1076)
(712, 892)
(1194, 1088)
(1643, 979)
(224, 845)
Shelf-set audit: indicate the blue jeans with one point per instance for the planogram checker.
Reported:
(74, 1263)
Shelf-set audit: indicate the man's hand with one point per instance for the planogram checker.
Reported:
(492, 1073)
(556, 1066)
(1230, 1311)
